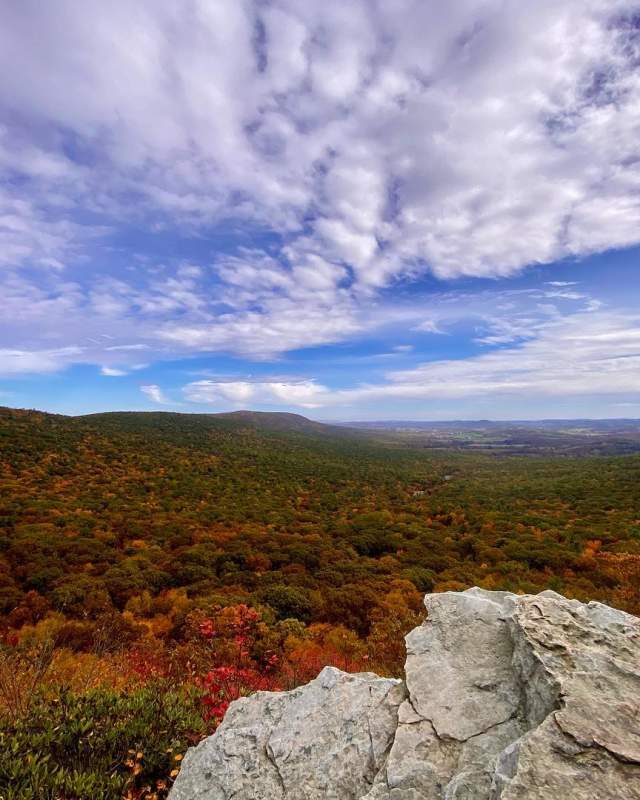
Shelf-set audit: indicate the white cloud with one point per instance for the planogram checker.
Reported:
(378, 142)
(15, 362)
(118, 347)
(428, 326)
(303, 393)
(112, 372)
(475, 138)
(283, 324)
(403, 348)
(155, 393)
(585, 353)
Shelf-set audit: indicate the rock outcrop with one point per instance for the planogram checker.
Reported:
(506, 697)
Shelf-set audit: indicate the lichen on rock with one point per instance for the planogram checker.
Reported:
(506, 697)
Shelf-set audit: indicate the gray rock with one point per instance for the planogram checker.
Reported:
(327, 739)
(507, 697)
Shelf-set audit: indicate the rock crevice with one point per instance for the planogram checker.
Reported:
(505, 697)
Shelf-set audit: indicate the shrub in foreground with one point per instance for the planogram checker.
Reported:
(103, 745)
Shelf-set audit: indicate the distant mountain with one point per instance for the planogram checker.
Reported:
(278, 421)
(158, 421)
(517, 437)
(266, 421)
(542, 437)
(284, 421)
(486, 424)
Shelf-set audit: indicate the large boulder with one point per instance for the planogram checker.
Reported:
(506, 697)
(328, 739)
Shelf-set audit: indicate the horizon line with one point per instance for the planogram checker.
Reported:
(377, 420)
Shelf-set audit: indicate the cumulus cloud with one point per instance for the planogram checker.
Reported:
(366, 143)
(583, 353)
(155, 393)
(302, 393)
(470, 136)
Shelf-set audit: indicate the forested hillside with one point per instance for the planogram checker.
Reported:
(221, 554)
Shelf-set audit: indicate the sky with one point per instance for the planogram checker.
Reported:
(364, 210)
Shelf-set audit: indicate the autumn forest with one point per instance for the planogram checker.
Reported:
(155, 566)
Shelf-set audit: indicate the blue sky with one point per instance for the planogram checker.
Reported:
(351, 211)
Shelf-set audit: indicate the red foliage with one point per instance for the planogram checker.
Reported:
(10, 639)
(207, 629)
(305, 663)
(222, 685)
(146, 664)
(227, 682)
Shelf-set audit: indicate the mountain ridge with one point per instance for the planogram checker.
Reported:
(270, 418)
(559, 437)
(276, 421)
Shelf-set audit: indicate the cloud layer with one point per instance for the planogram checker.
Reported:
(589, 351)
(344, 149)
(304, 394)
